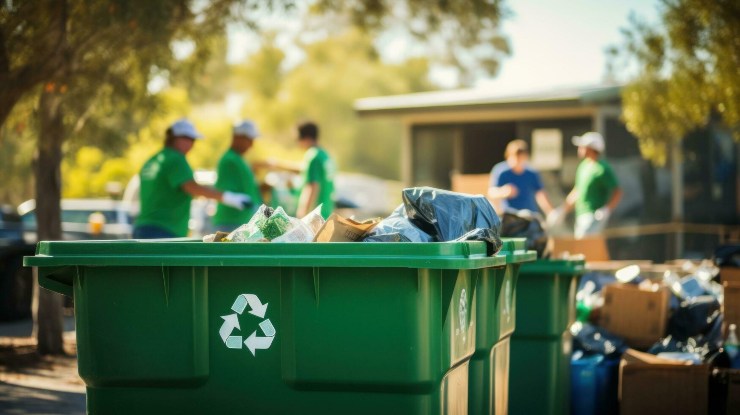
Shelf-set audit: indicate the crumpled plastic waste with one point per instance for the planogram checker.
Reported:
(269, 224)
(304, 229)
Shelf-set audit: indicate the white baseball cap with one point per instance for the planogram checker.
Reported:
(247, 128)
(184, 128)
(591, 140)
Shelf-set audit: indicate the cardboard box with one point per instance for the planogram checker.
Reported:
(639, 316)
(341, 229)
(611, 266)
(729, 274)
(650, 385)
(731, 306)
(593, 248)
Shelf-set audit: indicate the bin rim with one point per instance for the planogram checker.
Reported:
(193, 252)
(551, 267)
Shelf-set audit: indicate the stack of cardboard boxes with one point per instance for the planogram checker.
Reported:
(649, 384)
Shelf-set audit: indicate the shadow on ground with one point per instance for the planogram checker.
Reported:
(23, 400)
(31, 384)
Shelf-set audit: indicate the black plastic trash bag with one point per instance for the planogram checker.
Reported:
(448, 216)
(483, 234)
(706, 344)
(525, 224)
(693, 317)
(727, 255)
(595, 340)
(397, 228)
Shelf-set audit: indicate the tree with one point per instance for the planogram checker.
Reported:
(687, 73)
(79, 54)
(76, 58)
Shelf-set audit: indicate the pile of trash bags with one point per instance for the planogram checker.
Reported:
(694, 327)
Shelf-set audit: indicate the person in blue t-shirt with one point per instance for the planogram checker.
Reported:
(515, 185)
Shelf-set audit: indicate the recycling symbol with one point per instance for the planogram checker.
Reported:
(231, 322)
(463, 312)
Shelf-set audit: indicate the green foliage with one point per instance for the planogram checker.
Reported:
(463, 35)
(688, 73)
(335, 72)
(101, 56)
(17, 146)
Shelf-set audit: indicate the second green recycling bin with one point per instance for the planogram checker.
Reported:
(541, 344)
(496, 318)
(180, 326)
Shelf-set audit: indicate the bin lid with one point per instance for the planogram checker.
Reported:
(193, 252)
(549, 267)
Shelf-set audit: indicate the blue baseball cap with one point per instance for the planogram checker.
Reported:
(184, 128)
(247, 128)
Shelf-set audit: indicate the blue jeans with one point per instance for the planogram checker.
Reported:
(152, 232)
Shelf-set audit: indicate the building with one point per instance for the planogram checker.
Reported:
(466, 131)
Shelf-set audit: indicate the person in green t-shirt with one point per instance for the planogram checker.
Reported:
(596, 192)
(167, 187)
(317, 173)
(235, 175)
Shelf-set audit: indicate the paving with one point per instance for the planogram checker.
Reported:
(33, 385)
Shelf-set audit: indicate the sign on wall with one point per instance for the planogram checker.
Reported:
(547, 149)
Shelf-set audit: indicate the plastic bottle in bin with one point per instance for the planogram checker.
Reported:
(732, 347)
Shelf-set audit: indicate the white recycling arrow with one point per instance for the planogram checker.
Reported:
(257, 308)
(230, 322)
(253, 342)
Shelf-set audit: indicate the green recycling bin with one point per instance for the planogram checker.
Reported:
(541, 344)
(495, 318)
(181, 326)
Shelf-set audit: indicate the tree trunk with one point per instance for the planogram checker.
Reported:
(48, 325)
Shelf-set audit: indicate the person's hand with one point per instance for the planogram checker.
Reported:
(602, 214)
(555, 217)
(236, 200)
(511, 191)
(267, 164)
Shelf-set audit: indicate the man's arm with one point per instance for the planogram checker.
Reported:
(235, 200)
(308, 197)
(615, 199)
(506, 191)
(570, 200)
(543, 201)
(194, 189)
(274, 164)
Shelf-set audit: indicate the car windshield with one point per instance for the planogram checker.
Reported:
(76, 216)
(83, 216)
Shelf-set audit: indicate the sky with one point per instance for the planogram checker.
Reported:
(563, 42)
(554, 42)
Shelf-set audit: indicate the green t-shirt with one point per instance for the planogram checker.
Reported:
(235, 175)
(595, 183)
(319, 168)
(163, 202)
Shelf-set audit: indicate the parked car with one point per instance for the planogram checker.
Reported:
(11, 227)
(83, 219)
(16, 281)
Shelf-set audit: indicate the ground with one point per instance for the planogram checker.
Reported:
(34, 384)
